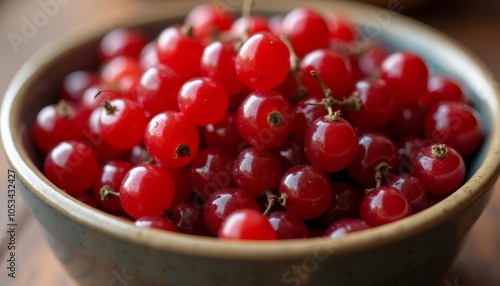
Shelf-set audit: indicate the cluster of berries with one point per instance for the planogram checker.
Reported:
(257, 128)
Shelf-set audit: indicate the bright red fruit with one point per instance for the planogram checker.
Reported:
(122, 42)
(156, 221)
(247, 224)
(384, 205)
(345, 226)
(146, 190)
(263, 61)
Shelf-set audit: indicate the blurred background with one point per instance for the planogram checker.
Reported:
(475, 24)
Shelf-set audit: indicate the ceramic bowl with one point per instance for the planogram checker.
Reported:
(98, 249)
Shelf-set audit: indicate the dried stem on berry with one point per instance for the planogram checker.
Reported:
(439, 151)
(183, 150)
(275, 119)
(110, 109)
(301, 91)
(62, 109)
(326, 89)
(333, 115)
(380, 174)
(187, 29)
(272, 199)
(107, 192)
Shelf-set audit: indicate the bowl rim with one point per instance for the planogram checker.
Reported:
(99, 221)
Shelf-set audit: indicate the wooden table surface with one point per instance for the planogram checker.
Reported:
(474, 24)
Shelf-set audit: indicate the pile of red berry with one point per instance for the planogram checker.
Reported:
(257, 128)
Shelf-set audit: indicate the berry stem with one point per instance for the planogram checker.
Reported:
(110, 109)
(380, 173)
(187, 29)
(107, 192)
(326, 89)
(246, 13)
(62, 109)
(271, 200)
(439, 151)
(183, 150)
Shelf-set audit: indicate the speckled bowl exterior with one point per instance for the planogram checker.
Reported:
(98, 249)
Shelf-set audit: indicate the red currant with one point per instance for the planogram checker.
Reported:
(345, 226)
(247, 224)
(384, 205)
(110, 176)
(288, 226)
(122, 42)
(156, 221)
(344, 204)
(412, 188)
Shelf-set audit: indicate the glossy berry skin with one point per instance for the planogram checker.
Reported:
(211, 171)
(224, 135)
(384, 205)
(344, 204)
(334, 70)
(406, 76)
(412, 188)
(330, 145)
(94, 138)
(110, 176)
(256, 171)
(305, 115)
(247, 224)
(203, 101)
(455, 124)
(376, 105)
(149, 56)
(290, 154)
(56, 123)
(373, 149)
(121, 73)
(122, 42)
(171, 139)
(257, 24)
(179, 51)
(156, 221)
(288, 226)
(75, 83)
(298, 25)
(442, 88)
(439, 174)
(71, 166)
(123, 123)
(341, 30)
(188, 218)
(345, 226)
(208, 19)
(183, 188)
(158, 89)
(95, 95)
(217, 62)
(224, 202)
(263, 61)
(308, 191)
(265, 119)
(146, 190)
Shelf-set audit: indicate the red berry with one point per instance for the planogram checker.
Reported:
(257, 24)
(288, 226)
(180, 51)
(71, 166)
(406, 76)
(407, 120)
(211, 171)
(146, 190)
(218, 63)
(122, 123)
(247, 224)
(455, 124)
(122, 42)
(265, 119)
(308, 191)
(344, 204)
(290, 154)
(412, 188)
(305, 114)
(440, 168)
(345, 226)
(203, 101)
(188, 219)
(171, 140)
(332, 68)
(299, 24)
(371, 60)
(341, 30)
(263, 61)
(122, 73)
(330, 143)
(110, 176)
(224, 135)
(256, 171)
(209, 19)
(56, 123)
(75, 83)
(155, 221)
(442, 88)
(224, 202)
(384, 205)
(183, 189)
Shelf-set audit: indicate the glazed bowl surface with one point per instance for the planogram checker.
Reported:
(98, 249)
